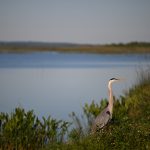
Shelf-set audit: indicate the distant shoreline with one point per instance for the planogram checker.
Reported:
(27, 47)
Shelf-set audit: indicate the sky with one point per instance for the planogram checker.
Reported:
(75, 21)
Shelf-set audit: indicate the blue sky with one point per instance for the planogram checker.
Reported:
(76, 21)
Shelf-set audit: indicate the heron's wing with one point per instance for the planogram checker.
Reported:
(101, 120)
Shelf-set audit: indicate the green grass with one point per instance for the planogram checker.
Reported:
(23, 130)
(129, 128)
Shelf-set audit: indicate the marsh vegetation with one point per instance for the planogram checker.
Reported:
(25, 47)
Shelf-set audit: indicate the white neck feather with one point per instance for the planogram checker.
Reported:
(110, 105)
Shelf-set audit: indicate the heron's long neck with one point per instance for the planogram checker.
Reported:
(110, 106)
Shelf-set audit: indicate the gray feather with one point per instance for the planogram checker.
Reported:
(101, 120)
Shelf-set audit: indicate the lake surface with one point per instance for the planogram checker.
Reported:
(56, 84)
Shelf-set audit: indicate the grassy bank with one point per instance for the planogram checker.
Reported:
(130, 125)
(129, 128)
(25, 47)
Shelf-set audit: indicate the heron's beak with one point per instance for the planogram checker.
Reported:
(121, 79)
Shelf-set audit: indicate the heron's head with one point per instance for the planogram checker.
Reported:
(112, 80)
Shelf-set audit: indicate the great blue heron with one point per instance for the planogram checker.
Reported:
(105, 116)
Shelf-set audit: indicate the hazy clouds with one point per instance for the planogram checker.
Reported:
(80, 21)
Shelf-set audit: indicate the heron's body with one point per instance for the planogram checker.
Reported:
(101, 120)
(105, 116)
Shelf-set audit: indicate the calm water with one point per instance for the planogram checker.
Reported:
(57, 84)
